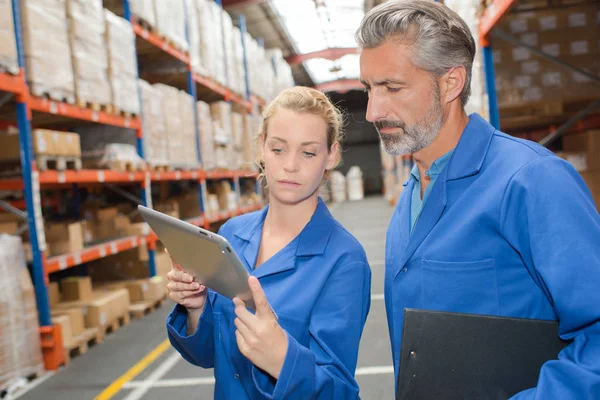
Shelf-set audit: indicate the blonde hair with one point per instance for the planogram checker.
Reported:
(303, 99)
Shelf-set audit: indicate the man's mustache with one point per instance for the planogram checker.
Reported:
(384, 123)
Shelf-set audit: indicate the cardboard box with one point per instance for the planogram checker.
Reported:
(42, 141)
(65, 325)
(76, 288)
(89, 231)
(73, 144)
(10, 228)
(8, 47)
(104, 307)
(139, 229)
(76, 318)
(107, 213)
(64, 237)
(122, 225)
(149, 289)
(53, 294)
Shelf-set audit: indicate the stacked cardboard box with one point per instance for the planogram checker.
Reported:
(122, 65)
(140, 290)
(47, 52)
(249, 150)
(72, 323)
(231, 80)
(87, 31)
(238, 83)
(187, 156)
(45, 142)
(193, 34)
(582, 151)
(189, 204)
(63, 237)
(237, 130)
(205, 130)
(172, 117)
(20, 347)
(154, 127)
(227, 197)
(8, 44)
(570, 34)
(207, 32)
(170, 21)
(223, 130)
(103, 223)
(217, 52)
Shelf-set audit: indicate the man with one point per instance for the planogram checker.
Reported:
(488, 223)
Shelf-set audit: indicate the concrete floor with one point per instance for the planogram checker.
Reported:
(171, 377)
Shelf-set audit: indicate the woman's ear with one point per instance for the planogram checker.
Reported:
(332, 157)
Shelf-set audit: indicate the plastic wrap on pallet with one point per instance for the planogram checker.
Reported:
(47, 52)
(120, 40)
(202, 31)
(117, 156)
(144, 9)
(154, 126)
(193, 34)
(170, 21)
(173, 120)
(214, 14)
(87, 31)
(20, 347)
(282, 72)
(205, 130)
(221, 115)
(223, 155)
(188, 156)
(251, 124)
(238, 63)
(237, 130)
(228, 47)
(8, 44)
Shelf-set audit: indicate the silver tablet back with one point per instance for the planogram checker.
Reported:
(205, 255)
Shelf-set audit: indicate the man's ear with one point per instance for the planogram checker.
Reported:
(452, 84)
(332, 156)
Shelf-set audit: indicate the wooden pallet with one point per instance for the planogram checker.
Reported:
(43, 91)
(161, 168)
(107, 108)
(59, 163)
(124, 166)
(12, 387)
(9, 69)
(81, 344)
(113, 326)
(139, 309)
(147, 26)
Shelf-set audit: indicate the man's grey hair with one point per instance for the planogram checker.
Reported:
(439, 38)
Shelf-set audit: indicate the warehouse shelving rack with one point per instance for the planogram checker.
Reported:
(33, 181)
(579, 122)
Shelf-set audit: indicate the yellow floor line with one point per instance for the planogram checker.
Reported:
(134, 371)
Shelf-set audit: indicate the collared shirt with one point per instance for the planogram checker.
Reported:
(417, 204)
(319, 286)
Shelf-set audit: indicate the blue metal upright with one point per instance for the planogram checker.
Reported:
(242, 23)
(147, 187)
(23, 118)
(490, 82)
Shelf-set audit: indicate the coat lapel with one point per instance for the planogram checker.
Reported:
(433, 210)
(398, 233)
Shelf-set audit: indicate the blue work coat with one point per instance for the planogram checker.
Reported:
(319, 285)
(509, 229)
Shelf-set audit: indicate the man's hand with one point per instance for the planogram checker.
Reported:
(259, 337)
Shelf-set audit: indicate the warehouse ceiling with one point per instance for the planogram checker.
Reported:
(316, 36)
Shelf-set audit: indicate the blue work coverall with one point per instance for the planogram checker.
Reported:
(508, 229)
(319, 285)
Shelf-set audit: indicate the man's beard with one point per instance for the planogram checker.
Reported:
(415, 137)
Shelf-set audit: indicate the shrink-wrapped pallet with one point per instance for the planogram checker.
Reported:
(173, 121)
(187, 156)
(144, 10)
(8, 44)
(120, 41)
(87, 31)
(154, 127)
(205, 130)
(221, 116)
(170, 21)
(47, 53)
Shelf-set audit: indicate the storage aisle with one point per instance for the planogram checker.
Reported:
(169, 376)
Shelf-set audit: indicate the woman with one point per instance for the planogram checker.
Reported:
(313, 272)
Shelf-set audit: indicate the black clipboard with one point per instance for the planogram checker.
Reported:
(465, 356)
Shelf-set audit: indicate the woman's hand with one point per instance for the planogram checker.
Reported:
(259, 337)
(183, 289)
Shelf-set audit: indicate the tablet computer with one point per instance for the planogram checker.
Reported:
(205, 255)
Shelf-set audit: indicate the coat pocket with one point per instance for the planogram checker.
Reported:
(469, 287)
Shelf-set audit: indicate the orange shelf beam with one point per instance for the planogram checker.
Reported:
(59, 263)
(160, 43)
(175, 176)
(12, 83)
(52, 177)
(71, 111)
(222, 90)
(492, 15)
